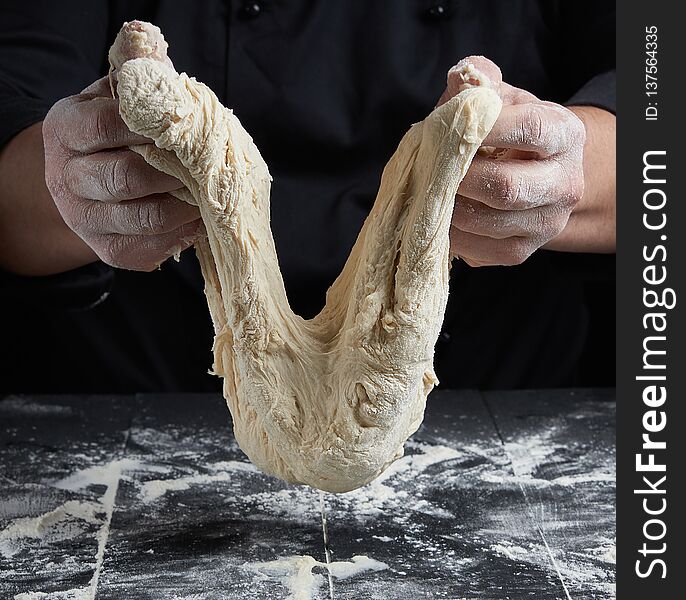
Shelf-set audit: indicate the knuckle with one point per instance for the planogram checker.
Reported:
(548, 224)
(71, 217)
(62, 179)
(55, 179)
(84, 215)
(151, 217)
(464, 215)
(571, 133)
(50, 137)
(513, 188)
(53, 118)
(573, 187)
(543, 225)
(576, 187)
(568, 188)
(54, 130)
(575, 128)
(117, 179)
(534, 126)
(102, 125)
(79, 216)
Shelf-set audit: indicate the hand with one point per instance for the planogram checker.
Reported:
(519, 197)
(117, 203)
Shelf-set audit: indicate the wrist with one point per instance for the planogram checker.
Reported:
(592, 224)
(34, 240)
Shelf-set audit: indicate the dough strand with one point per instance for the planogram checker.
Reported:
(328, 402)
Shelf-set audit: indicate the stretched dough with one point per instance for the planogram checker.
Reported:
(330, 401)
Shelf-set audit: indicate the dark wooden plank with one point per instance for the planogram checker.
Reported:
(440, 521)
(193, 518)
(55, 453)
(562, 448)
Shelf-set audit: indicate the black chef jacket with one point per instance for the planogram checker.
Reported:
(326, 89)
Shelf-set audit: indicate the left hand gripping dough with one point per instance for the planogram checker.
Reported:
(330, 401)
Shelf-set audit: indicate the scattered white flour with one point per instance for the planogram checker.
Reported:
(527, 454)
(501, 477)
(25, 407)
(380, 495)
(427, 456)
(400, 491)
(71, 520)
(66, 522)
(507, 477)
(296, 572)
(511, 551)
(106, 474)
(584, 478)
(152, 490)
(580, 565)
(376, 498)
(611, 555)
(75, 594)
(607, 551)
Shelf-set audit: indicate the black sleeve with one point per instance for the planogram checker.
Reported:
(48, 50)
(601, 91)
(80, 289)
(588, 52)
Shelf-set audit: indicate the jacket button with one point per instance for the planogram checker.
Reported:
(438, 11)
(251, 10)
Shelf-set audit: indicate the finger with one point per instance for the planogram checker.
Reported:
(113, 176)
(479, 250)
(471, 71)
(89, 125)
(510, 94)
(138, 39)
(515, 184)
(146, 253)
(474, 71)
(479, 71)
(546, 129)
(152, 215)
(541, 223)
(100, 88)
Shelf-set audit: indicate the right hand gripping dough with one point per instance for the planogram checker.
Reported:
(330, 401)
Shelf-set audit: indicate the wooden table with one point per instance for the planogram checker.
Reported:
(500, 495)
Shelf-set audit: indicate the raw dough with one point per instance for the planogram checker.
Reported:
(330, 401)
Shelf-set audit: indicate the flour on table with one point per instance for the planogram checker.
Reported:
(65, 522)
(75, 594)
(223, 471)
(297, 576)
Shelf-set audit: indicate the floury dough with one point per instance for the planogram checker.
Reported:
(330, 401)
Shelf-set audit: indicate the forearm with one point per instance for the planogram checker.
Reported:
(592, 224)
(34, 240)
